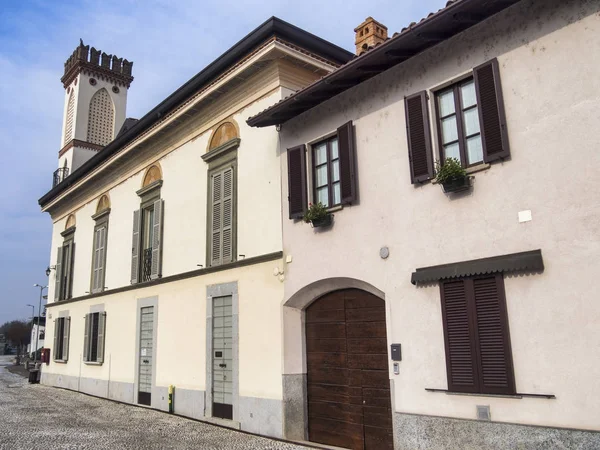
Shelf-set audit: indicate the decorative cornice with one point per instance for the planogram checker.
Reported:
(100, 72)
(151, 187)
(82, 144)
(181, 276)
(221, 149)
(69, 231)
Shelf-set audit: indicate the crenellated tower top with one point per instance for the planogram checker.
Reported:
(104, 66)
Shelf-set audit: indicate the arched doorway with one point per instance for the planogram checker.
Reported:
(348, 385)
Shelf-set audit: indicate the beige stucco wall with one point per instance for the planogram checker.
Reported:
(181, 332)
(551, 92)
(184, 191)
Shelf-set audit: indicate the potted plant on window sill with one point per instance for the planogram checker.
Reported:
(451, 175)
(318, 215)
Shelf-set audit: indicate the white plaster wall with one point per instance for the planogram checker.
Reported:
(80, 155)
(552, 98)
(181, 332)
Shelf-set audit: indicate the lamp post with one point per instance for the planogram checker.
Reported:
(32, 317)
(37, 334)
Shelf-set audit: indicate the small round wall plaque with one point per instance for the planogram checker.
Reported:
(93, 81)
(115, 89)
(384, 252)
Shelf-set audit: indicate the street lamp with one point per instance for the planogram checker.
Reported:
(32, 317)
(37, 334)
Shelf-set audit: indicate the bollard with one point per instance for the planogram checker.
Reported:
(171, 394)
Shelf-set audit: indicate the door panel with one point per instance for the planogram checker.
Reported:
(222, 358)
(348, 380)
(146, 343)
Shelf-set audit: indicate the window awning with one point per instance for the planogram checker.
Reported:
(515, 262)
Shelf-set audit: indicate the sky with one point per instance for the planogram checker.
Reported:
(169, 41)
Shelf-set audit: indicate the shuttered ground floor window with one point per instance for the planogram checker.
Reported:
(62, 327)
(93, 340)
(476, 332)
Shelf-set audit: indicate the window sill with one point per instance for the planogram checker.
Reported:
(335, 208)
(471, 170)
(92, 363)
(60, 361)
(473, 394)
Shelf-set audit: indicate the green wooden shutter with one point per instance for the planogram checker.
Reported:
(494, 134)
(346, 147)
(135, 247)
(101, 336)
(157, 226)
(70, 266)
(492, 336)
(98, 264)
(461, 353)
(58, 274)
(297, 196)
(419, 137)
(216, 234)
(227, 225)
(65, 343)
(102, 265)
(56, 334)
(86, 338)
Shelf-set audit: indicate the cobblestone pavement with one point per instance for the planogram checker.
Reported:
(41, 417)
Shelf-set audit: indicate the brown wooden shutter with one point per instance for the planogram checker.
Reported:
(346, 147)
(58, 274)
(419, 137)
(461, 363)
(157, 235)
(135, 246)
(493, 337)
(297, 196)
(492, 117)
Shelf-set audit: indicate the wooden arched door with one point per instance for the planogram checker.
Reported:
(347, 371)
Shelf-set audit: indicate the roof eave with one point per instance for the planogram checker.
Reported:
(271, 27)
(438, 27)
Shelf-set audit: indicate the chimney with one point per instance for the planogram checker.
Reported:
(369, 34)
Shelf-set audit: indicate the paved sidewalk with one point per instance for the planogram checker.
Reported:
(41, 417)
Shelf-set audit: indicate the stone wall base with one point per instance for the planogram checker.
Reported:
(416, 432)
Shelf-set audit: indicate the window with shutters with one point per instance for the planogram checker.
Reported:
(99, 249)
(65, 263)
(146, 250)
(62, 327)
(94, 336)
(470, 119)
(222, 215)
(332, 172)
(477, 339)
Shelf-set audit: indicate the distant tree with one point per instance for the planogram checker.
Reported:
(17, 332)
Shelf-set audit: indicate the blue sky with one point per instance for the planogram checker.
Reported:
(168, 40)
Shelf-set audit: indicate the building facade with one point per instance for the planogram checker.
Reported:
(167, 247)
(38, 331)
(442, 318)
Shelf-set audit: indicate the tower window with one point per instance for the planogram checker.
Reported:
(101, 118)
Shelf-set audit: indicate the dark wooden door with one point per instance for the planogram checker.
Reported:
(348, 380)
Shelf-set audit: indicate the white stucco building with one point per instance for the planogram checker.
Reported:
(486, 295)
(167, 244)
(38, 331)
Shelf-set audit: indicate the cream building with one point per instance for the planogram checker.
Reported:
(425, 319)
(167, 245)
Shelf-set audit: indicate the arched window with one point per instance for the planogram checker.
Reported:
(101, 118)
(99, 250)
(69, 119)
(146, 257)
